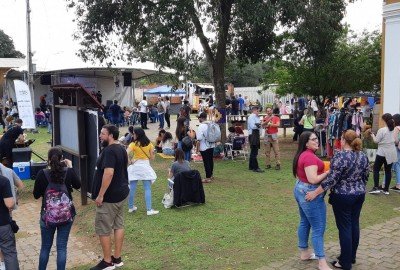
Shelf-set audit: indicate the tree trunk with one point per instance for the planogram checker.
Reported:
(219, 88)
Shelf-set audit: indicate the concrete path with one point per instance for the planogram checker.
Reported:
(379, 249)
(28, 242)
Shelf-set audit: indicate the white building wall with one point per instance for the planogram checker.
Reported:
(391, 79)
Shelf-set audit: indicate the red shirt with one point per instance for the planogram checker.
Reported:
(308, 158)
(274, 120)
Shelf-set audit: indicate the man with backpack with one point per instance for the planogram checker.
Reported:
(110, 190)
(207, 135)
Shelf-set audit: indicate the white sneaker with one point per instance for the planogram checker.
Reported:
(132, 209)
(152, 212)
(2, 266)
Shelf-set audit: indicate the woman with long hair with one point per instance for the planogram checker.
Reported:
(396, 165)
(347, 181)
(181, 132)
(308, 120)
(167, 145)
(60, 174)
(386, 154)
(140, 151)
(309, 171)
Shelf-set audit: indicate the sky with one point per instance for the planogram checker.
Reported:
(52, 24)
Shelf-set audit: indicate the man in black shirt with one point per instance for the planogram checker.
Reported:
(7, 237)
(7, 143)
(110, 189)
(115, 113)
(235, 105)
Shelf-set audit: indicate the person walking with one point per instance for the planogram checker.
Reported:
(253, 128)
(271, 123)
(143, 112)
(167, 106)
(161, 112)
(110, 190)
(7, 236)
(386, 154)
(61, 177)
(309, 172)
(140, 169)
(205, 148)
(115, 113)
(347, 179)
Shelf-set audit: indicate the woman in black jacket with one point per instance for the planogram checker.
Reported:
(59, 175)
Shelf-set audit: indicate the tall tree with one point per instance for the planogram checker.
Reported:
(7, 49)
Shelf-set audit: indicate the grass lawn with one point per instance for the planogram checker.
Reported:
(249, 219)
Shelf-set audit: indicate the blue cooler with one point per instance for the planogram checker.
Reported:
(22, 169)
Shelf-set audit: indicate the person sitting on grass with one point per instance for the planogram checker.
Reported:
(178, 166)
(167, 145)
(159, 140)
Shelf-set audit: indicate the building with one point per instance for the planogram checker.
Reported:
(390, 80)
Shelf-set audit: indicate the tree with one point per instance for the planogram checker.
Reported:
(7, 49)
(352, 66)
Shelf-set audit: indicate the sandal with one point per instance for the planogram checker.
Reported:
(312, 257)
(335, 265)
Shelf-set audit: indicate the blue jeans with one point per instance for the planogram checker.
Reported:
(347, 209)
(147, 193)
(312, 216)
(161, 119)
(187, 153)
(168, 151)
(47, 241)
(396, 167)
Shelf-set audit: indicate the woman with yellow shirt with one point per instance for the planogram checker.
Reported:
(140, 169)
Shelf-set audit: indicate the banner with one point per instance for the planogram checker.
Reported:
(24, 102)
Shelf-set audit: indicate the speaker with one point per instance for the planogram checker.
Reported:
(45, 80)
(127, 78)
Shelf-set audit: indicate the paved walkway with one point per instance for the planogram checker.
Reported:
(28, 241)
(379, 250)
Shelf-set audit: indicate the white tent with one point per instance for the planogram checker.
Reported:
(65, 68)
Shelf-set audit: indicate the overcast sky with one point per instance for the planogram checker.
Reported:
(52, 25)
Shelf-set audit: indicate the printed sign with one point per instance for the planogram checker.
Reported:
(24, 102)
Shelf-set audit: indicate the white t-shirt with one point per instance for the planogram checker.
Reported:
(143, 106)
(201, 137)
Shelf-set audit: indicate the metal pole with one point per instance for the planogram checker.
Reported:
(29, 52)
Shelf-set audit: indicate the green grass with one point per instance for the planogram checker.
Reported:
(249, 220)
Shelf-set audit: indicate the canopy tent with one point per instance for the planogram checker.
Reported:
(114, 82)
(164, 90)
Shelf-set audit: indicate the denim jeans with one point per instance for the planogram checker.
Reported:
(347, 209)
(8, 247)
(47, 241)
(147, 193)
(312, 216)
(168, 151)
(161, 119)
(396, 167)
(187, 153)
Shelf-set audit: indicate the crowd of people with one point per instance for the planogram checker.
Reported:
(122, 164)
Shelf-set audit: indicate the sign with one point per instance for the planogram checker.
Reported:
(24, 102)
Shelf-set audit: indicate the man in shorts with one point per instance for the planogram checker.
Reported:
(110, 189)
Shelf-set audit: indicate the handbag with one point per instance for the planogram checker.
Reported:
(168, 199)
(14, 226)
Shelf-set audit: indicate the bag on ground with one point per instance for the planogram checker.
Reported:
(168, 199)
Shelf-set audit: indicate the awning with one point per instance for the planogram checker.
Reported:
(164, 90)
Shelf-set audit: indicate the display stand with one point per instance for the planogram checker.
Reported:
(76, 131)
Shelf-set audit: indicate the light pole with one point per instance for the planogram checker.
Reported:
(29, 53)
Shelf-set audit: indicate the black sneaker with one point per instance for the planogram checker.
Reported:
(117, 261)
(395, 189)
(375, 190)
(103, 265)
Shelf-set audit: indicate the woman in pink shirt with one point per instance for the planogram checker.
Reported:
(309, 171)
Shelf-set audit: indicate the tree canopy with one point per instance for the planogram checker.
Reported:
(7, 49)
(354, 65)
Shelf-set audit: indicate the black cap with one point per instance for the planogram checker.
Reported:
(202, 115)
